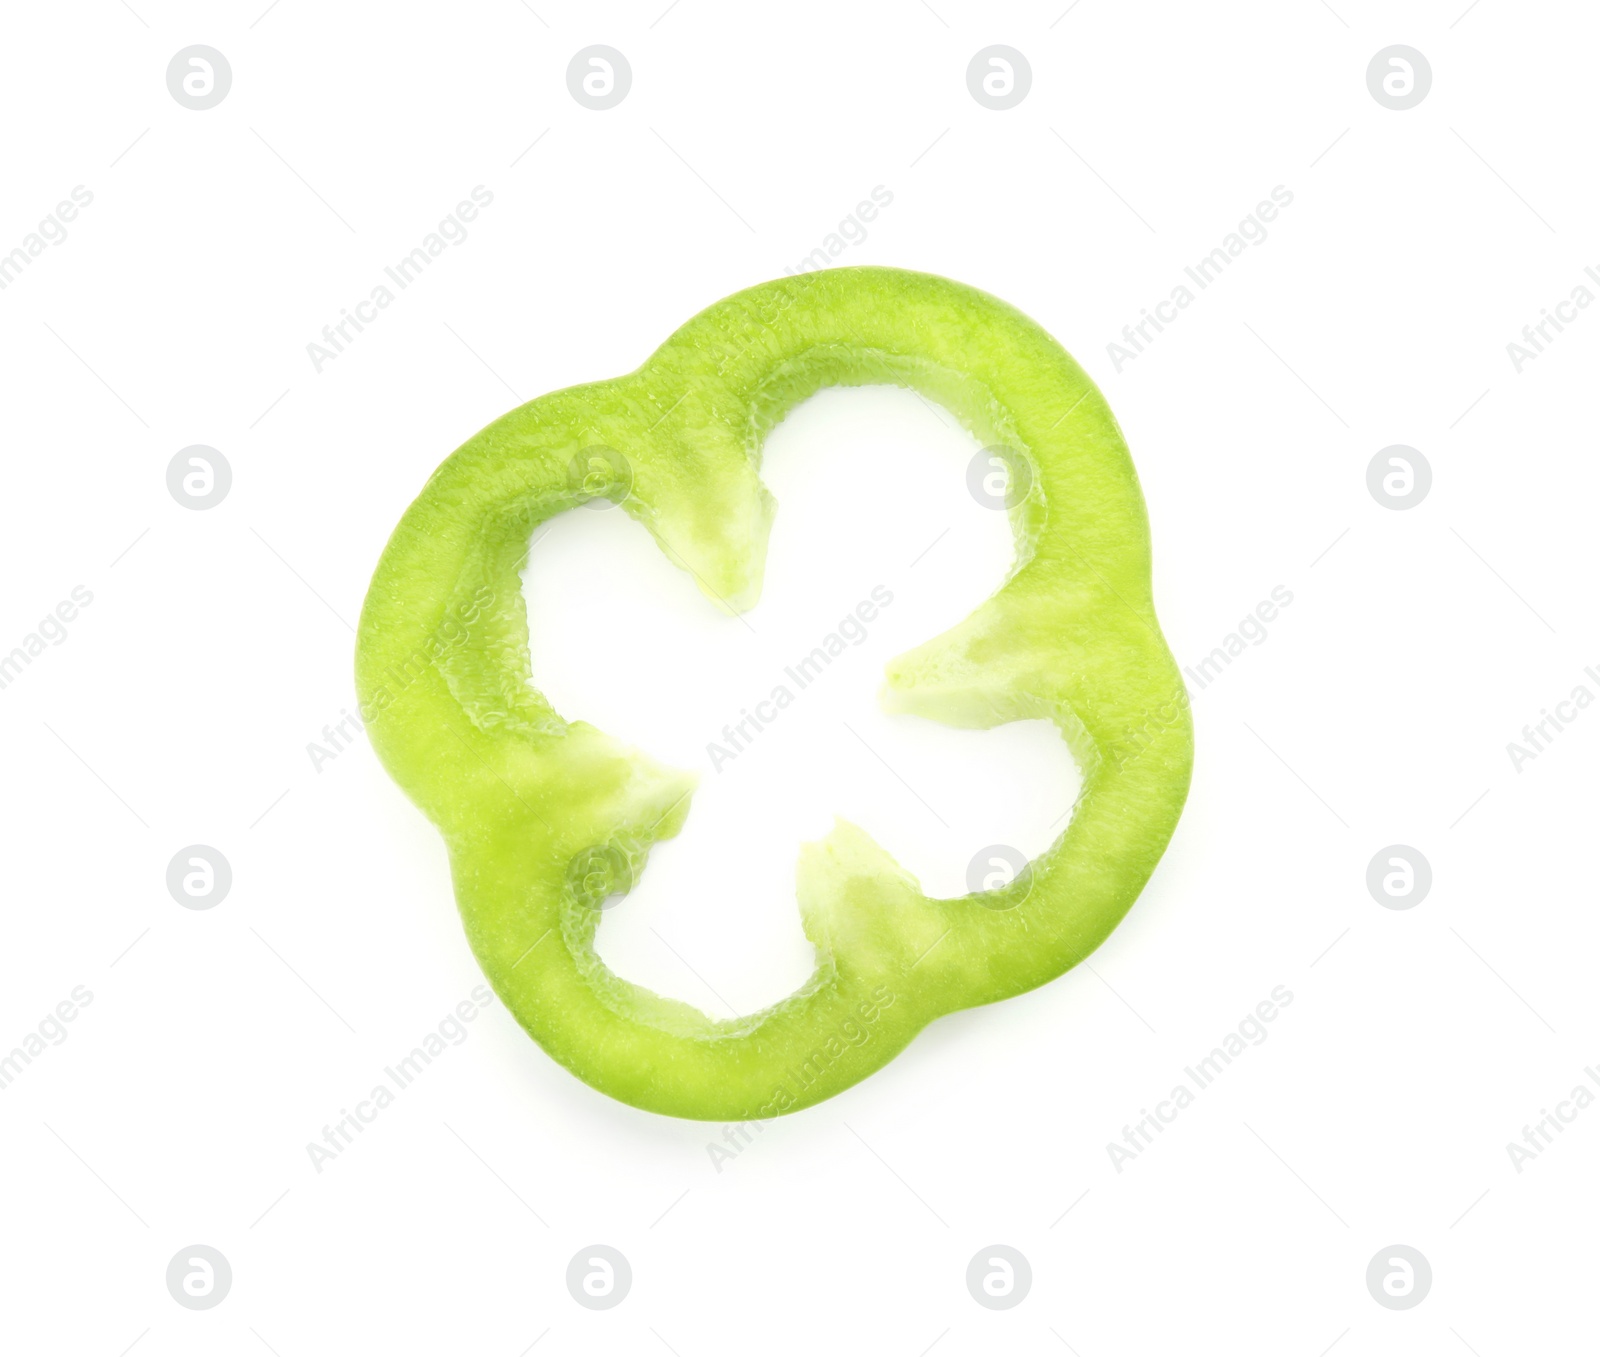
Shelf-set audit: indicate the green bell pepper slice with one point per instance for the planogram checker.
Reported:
(544, 818)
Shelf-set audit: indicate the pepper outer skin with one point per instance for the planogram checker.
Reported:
(544, 818)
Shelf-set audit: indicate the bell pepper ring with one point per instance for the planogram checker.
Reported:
(546, 819)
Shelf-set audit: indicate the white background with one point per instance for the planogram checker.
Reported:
(179, 708)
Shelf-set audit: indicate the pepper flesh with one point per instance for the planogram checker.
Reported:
(544, 817)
